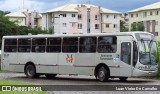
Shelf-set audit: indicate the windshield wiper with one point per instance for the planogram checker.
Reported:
(150, 44)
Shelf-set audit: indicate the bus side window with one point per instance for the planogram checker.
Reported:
(38, 45)
(87, 44)
(70, 45)
(24, 45)
(54, 45)
(107, 44)
(10, 45)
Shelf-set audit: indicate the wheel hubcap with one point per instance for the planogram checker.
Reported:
(101, 74)
(30, 71)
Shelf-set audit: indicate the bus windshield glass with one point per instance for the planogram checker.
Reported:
(147, 52)
(147, 49)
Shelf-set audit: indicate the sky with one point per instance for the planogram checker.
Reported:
(44, 5)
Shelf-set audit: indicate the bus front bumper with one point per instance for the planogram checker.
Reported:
(142, 73)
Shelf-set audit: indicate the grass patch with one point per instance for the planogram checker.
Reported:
(9, 82)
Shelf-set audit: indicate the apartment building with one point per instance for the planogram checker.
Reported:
(81, 18)
(149, 15)
(26, 18)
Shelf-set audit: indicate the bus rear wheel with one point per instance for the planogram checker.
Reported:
(123, 78)
(30, 71)
(50, 76)
(102, 74)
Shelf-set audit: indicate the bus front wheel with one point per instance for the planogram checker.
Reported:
(30, 71)
(102, 74)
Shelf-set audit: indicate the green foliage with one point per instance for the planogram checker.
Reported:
(8, 27)
(51, 31)
(122, 27)
(134, 27)
(137, 26)
(140, 26)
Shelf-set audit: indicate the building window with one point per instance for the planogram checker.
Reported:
(107, 25)
(52, 20)
(89, 20)
(137, 15)
(79, 26)
(150, 12)
(64, 24)
(96, 17)
(73, 24)
(79, 16)
(157, 12)
(115, 16)
(131, 15)
(64, 15)
(145, 14)
(156, 22)
(96, 26)
(73, 15)
(107, 16)
(115, 26)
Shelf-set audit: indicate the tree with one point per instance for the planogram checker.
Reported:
(134, 27)
(6, 27)
(137, 26)
(122, 27)
(140, 26)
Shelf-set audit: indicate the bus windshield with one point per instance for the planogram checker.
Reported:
(147, 52)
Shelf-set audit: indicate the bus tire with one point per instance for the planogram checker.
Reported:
(50, 76)
(37, 75)
(102, 74)
(123, 78)
(30, 71)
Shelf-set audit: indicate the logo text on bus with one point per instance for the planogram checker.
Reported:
(69, 59)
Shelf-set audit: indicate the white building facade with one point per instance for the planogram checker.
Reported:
(150, 17)
(26, 18)
(81, 18)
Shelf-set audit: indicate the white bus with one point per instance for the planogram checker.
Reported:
(105, 55)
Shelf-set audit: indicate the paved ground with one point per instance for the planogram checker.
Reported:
(83, 80)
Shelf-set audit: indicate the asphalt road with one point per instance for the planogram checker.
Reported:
(83, 80)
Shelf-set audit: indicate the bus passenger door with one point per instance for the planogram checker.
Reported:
(125, 62)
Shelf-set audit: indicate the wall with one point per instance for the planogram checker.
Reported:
(21, 21)
(111, 21)
(147, 18)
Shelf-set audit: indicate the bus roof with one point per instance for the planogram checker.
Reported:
(76, 35)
